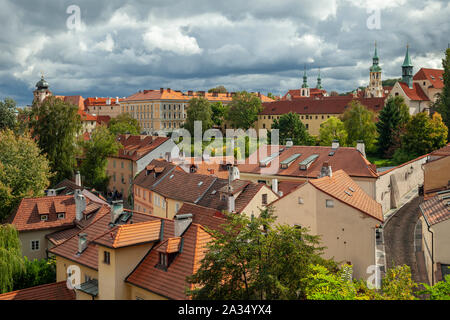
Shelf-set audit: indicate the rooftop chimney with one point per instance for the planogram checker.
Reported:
(233, 174)
(361, 147)
(182, 222)
(82, 242)
(289, 143)
(117, 100)
(80, 204)
(326, 170)
(275, 185)
(108, 101)
(335, 144)
(231, 203)
(161, 90)
(168, 89)
(116, 210)
(78, 179)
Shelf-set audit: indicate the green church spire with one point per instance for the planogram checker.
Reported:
(319, 82)
(407, 69)
(305, 79)
(375, 61)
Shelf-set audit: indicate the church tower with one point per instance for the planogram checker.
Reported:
(375, 88)
(407, 69)
(319, 82)
(42, 91)
(304, 91)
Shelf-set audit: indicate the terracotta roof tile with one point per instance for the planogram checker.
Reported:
(348, 159)
(51, 291)
(444, 151)
(135, 147)
(59, 237)
(325, 105)
(171, 245)
(437, 208)
(340, 186)
(131, 234)
(415, 93)
(207, 217)
(171, 283)
(435, 76)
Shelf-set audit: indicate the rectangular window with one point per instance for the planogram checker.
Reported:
(106, 257)
(264, 198)
(61, 215)
(44, 217)
(329, 203)
(35, 245)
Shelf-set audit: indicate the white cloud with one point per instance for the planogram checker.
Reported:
(170, 39)
(107, 44)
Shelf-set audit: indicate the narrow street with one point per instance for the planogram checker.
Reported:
(399, 237)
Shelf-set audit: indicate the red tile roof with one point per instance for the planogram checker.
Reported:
(194, 186)
(444, 151)
(96, 229)
(171, 245)
(131, 234)
(348, 159)
(436, 209)
(207, 217)
(435, 76)
(59, 237)
(27, 217)
(51, 291)
(338, 186)
(325, 105)
(135, 147)
(415, 93)
(100, 101)
(171, 283)
(146, 178)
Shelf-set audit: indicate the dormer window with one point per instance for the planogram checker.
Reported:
(44, 217)
(163, 260)
(61, 215)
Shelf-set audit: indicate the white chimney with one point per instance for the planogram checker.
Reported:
(233, 174)
(82, 242)
(231, 203)
(182, 222)
(275, 185)
(116, 210)
(108, 101)
(78, 179)
(326, 170)
(80, 204)
(361, 147)
(289, 143)
(117, 100)
(335, 144)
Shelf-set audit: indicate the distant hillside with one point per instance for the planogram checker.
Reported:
(389, 82)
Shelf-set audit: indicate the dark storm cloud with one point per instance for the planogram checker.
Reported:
(255, 45)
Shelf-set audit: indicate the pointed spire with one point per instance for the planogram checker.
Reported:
(319, 81)
(305, 79)
(407, 61)
(375, 55)
(375, 60)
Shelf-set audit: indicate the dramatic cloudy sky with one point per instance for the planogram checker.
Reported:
(258, 45)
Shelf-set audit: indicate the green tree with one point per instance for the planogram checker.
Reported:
(56, 124)
(291, 127)
(199, 109)
(255, 259)
(35, 272)
(443, 101)
(7, 114)
(398, 284)
(359, 122)
(390, 82)
(24, 172)
(325, 285)
(440, 290)
(243, 110)
(272, 96)
(332, 129)
(10, 256)
(218, 89)
(124, 123)
(96, 150)
(218, 113)
(423, 135)
(390, 126)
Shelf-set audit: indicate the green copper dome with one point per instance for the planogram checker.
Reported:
(375, 60)
(305, 80)
(42, 84)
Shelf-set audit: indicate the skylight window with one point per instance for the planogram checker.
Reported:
(200, 183)
(351, 189)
